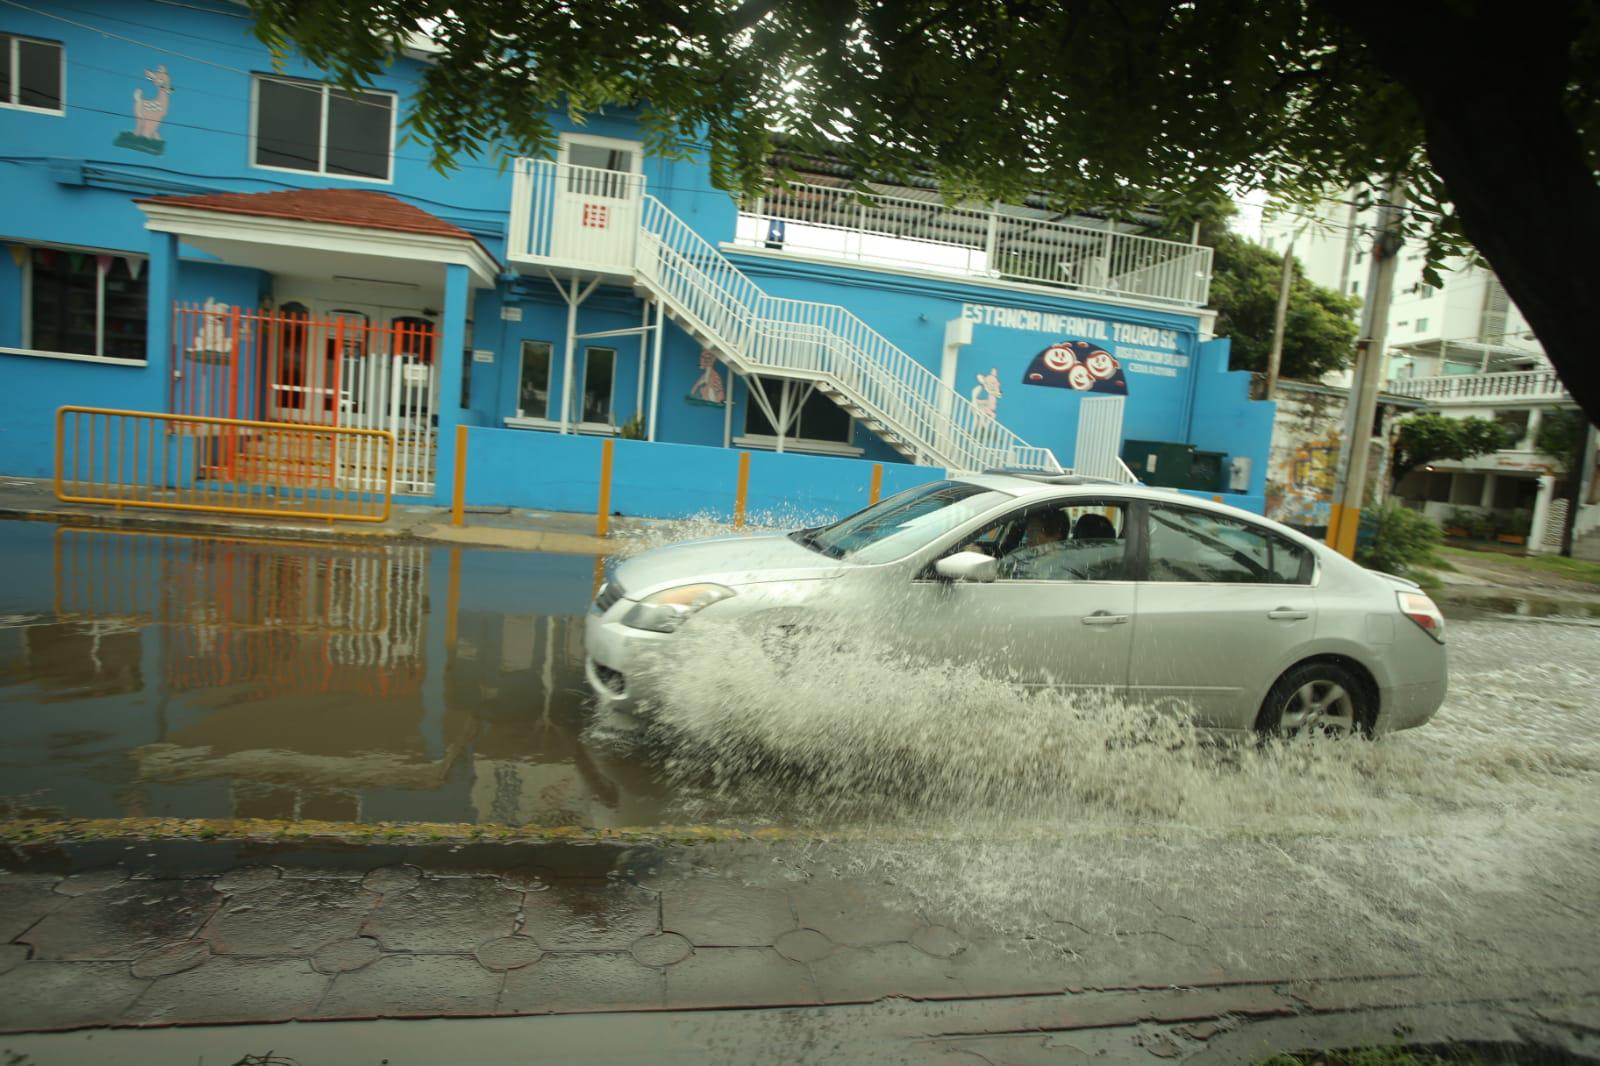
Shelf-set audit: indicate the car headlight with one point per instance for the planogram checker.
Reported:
(668, 609)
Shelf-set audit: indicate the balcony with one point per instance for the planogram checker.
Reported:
(1003, 242)
(1526, 386)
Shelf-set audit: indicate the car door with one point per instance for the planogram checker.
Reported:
(1225, 606)
(1059, 613)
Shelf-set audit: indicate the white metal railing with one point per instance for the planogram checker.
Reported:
(1516, 385)
(823, 342)
(998, 241)
(756, 332)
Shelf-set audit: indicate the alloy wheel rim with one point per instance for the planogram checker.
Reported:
(1323, 707)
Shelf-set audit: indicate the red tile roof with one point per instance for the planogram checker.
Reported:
(340, 207)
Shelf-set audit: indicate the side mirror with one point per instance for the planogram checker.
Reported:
(967, 566)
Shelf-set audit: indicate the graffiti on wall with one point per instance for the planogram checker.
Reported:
(148, 114)
(1307, 484)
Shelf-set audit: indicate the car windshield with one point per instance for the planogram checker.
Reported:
(901, 524)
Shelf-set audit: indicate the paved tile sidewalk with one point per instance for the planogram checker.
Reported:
(273, 937)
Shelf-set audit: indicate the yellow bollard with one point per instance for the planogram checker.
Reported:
(459, 502)
(742, 491)
(876, 492)
(452, 603)
(603, 519)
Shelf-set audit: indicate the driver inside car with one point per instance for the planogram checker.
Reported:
(1043, 541)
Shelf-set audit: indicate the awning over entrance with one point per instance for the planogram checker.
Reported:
(350, 234)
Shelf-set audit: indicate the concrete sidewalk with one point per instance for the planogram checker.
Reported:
(547, 531)
(128, 934)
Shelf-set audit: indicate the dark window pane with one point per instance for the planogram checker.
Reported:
(127, 311)
(533, 393)
(1291, 565)
(1190, 545)
(64, 302)
(288, 124)
(358, 133)
(5, 68)
(822, 419)
(39, 74)
(756, 422)
(598, 367)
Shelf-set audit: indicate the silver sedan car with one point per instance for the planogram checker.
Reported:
(1060, 581)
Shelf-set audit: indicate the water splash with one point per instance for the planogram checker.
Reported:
(1058, 814)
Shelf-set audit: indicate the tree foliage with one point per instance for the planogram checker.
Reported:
(1426, 438)
(1485, 115)
(1319, 331)
(1403, 541)
(1561, 435)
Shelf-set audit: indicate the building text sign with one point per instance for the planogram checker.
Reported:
(1138, 349)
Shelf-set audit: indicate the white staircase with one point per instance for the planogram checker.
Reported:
(900, 400)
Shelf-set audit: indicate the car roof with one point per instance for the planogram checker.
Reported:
(1059, 486)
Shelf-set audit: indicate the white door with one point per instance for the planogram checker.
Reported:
(1226, 608)
(598, 191)
(1061, 612)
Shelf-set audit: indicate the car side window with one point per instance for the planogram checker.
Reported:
(1192, 545)
(1062, 541)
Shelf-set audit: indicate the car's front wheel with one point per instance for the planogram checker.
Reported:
(1322, 698)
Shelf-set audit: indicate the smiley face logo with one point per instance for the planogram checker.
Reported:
(1080, 378)
(1102, 365)
(1059, 359)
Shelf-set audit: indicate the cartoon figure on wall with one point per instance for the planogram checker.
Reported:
(148, 115)
(708, 389)
(986, 394)
(1077, 365)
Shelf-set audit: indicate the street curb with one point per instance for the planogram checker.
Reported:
(23, 832)
(146, 523)
(558, 542)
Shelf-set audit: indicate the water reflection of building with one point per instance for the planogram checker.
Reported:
(269, 679)
(283, 618)
(523, 675)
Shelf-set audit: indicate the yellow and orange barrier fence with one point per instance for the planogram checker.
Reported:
(223, 465)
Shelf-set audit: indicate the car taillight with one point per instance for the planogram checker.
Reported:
(1423, 611)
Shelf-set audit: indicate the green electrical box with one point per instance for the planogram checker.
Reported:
(1177, 466)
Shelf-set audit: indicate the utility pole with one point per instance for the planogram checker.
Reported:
(1275, 356)
(1351, 485)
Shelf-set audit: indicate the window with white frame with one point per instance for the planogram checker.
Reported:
(820, 419)
(82, 302)
(533, 389)
(599, 376)
(321, 129)
(1422, 325)
(32, 73)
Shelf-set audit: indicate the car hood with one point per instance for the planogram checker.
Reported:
(729, 561)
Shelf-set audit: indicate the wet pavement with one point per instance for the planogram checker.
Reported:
(152, 676)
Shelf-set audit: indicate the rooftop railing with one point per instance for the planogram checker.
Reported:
(1000, 242)
(1487, 388)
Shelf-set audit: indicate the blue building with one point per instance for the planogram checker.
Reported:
(192, 230)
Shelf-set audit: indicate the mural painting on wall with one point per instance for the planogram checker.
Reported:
(708, 390)
(1077, 365)
(1309, 484)
(148, 115)
(986, 393)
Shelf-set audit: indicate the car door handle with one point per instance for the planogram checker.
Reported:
(1287, 614)
(1104, 618)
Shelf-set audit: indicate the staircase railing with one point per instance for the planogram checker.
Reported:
(824, 341)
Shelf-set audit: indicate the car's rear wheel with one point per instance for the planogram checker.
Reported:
(1320, 698)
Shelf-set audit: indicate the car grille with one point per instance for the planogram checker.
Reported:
(609, 594)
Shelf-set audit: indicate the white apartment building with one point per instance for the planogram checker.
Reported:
(1465, 349)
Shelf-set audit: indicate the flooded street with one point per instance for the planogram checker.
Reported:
(950, 835)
